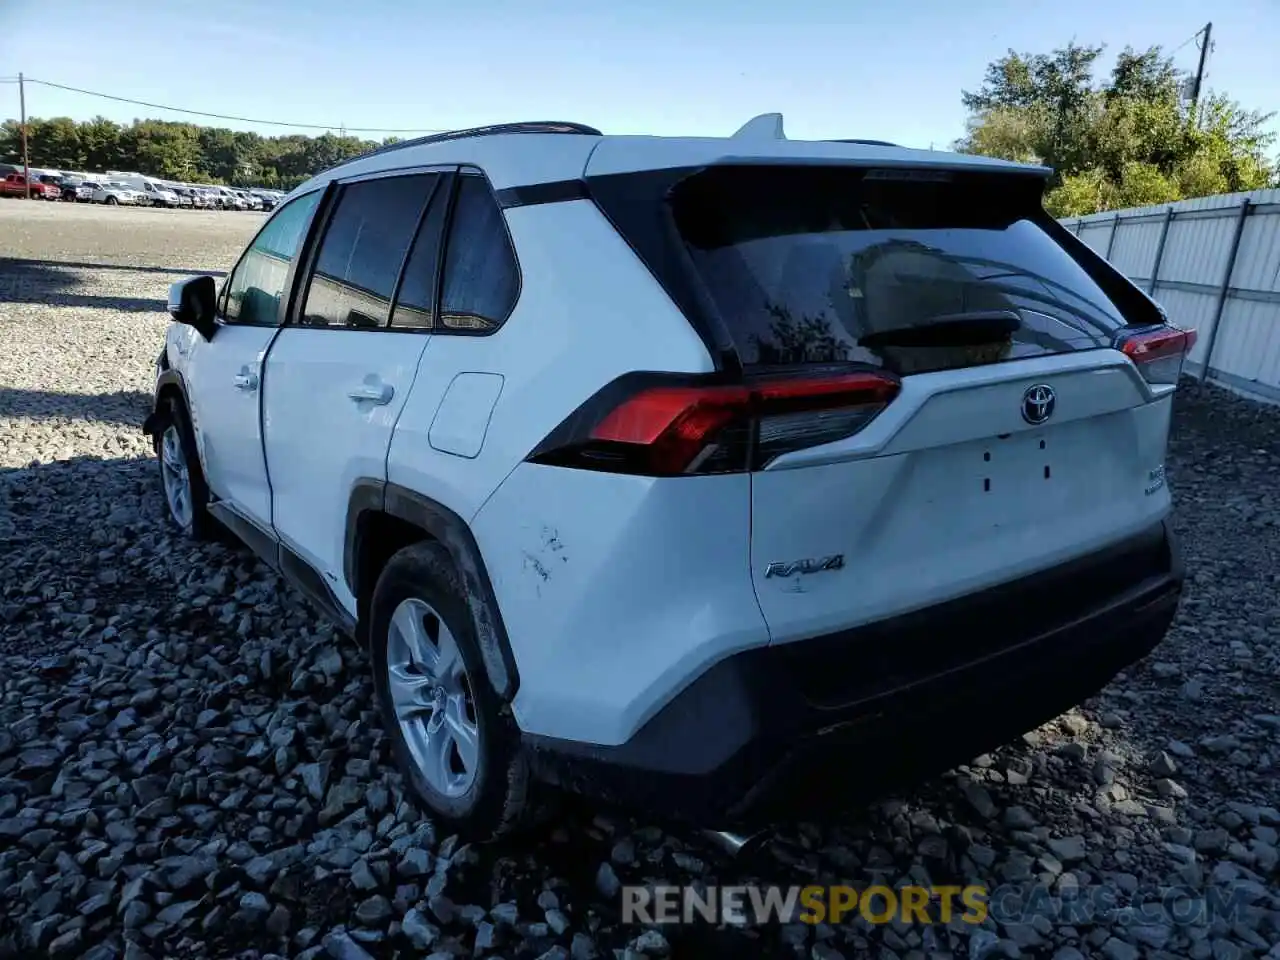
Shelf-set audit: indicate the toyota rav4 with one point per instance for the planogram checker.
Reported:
(725, 477)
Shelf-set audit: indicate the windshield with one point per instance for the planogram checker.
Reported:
(803, 263)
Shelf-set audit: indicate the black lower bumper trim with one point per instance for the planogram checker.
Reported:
(769, 734)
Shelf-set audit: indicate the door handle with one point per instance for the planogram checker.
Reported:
(379, 393)
(246, 381)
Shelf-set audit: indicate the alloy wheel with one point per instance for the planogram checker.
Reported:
(431, 693)
(176, 476)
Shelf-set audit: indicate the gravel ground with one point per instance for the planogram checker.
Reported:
(190, 766)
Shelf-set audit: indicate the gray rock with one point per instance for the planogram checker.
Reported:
(362, 877)
(486, 937)
(1019, 818)
(557, 921)
(607, 881)
(315, 778)
(374, 911)
(254, 907)
(421, 933)
(340, 946)
(1116, 949)
(979, 799)
(505, 914)
(279, 921)
(1068, 849)
(651, 943)
(583, 948)
(416, 862)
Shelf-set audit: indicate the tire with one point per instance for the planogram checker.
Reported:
(177, 455)
(420, 586)
(112, 201)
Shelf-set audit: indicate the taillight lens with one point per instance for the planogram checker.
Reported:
(1159, 352)
(658, 425)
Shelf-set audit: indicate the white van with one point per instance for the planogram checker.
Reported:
(153, 192)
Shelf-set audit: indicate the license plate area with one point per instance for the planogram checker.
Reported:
(1023, 478)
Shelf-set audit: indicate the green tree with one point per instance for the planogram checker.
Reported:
(177, 151)
(1129, 140)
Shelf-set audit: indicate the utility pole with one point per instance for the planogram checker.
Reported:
(22, 113)
(1206, 35)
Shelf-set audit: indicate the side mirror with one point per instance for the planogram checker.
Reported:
(193, 302)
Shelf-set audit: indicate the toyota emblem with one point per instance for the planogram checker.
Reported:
(1038, 403)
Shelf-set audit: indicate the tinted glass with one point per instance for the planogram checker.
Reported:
(255, 288)
(481, 280)
(911, 271)
(416, 302)
(362, 251)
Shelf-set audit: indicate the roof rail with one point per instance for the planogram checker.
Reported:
(492, 130)
(869, 143)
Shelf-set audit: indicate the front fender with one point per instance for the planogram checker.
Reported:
(168, 381)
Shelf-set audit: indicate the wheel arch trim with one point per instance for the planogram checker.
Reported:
(449, 529)
(169, 379)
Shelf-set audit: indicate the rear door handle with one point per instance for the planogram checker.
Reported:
(244, 380)
(379, 393)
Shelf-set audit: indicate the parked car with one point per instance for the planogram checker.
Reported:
(55, 180)
(199, 199)
(739, 472)
(154, 194)
(112, 192)
(15, 185)
(68, 188)
(86, 191)
(226, 199)
(183, 194)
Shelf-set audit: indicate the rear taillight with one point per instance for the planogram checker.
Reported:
(1158, 352)
(665, 426)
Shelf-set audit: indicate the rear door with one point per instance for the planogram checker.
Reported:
(1010, 435)
(339, 372)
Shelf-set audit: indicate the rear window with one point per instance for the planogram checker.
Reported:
(913, 271)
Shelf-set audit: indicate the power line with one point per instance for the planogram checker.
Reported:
(1187, 42)
(224, 116)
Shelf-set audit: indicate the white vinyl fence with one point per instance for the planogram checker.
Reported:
(1214, 265)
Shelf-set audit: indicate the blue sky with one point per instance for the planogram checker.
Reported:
(885, 70)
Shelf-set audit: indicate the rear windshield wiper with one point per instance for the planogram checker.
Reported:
(964, 329)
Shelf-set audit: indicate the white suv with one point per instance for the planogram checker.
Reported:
(715, 476)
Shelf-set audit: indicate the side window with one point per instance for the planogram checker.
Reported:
(481, 279)
(253, 291)
(362, 250)
(415, 304)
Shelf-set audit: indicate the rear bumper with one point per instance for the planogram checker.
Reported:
(803, 729)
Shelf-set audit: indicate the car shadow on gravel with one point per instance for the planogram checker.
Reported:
(18, 263)
(124, 408)
(52, 284)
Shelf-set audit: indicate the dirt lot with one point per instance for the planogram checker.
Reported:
(189, 766)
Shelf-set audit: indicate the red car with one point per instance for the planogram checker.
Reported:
(15, 185)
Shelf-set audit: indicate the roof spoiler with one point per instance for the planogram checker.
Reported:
(768, 126)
